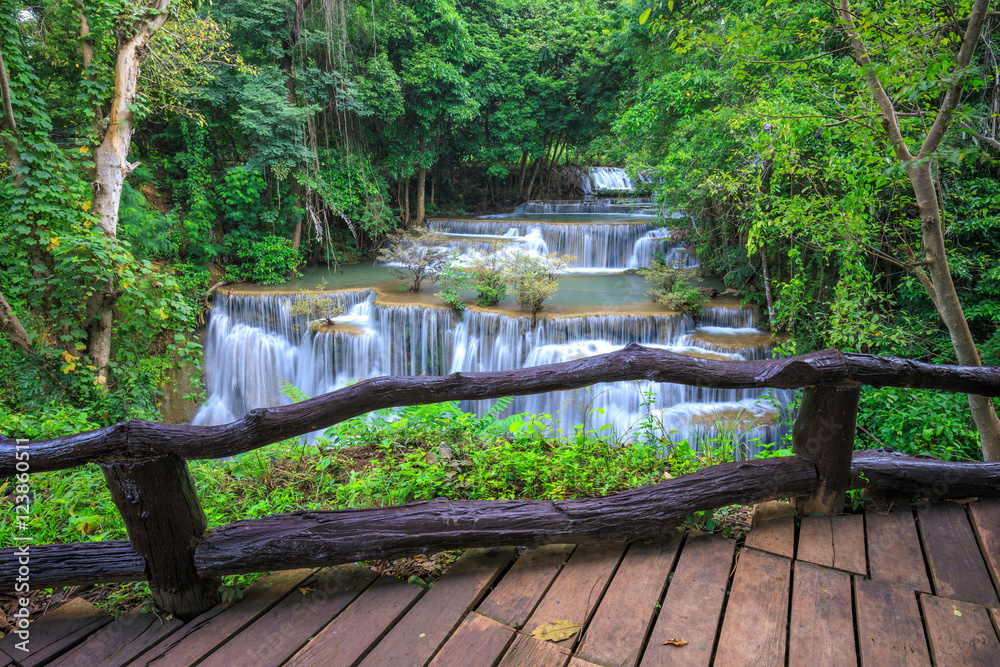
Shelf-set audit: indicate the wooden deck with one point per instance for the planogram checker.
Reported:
(903, 586)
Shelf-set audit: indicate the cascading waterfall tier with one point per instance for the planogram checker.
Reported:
(595, 246)
(257, 347)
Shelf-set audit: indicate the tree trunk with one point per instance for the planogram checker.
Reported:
(538, 165)
(111, 166)
(938, 284)
(421, 184)
(406, 202)
(11, 325)
(767, 288)
(524, 168)
(949, 307)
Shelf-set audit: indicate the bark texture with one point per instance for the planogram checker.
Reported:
(141, 439)
(329, 538)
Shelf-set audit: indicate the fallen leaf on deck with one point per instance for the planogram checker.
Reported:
(955, 609)
(305, 591)
(556, 631)
(675, 642)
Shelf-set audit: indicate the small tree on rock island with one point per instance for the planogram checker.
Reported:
(534, 279)
(415, 256)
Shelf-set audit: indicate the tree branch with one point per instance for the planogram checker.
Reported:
(982, 137)
(11, 325)
(889, 119)
(8, 126)
(954, 93)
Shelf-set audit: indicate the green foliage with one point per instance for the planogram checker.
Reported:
(533, 279)
(669, 286)
(417, 256)
(491, 274)
(916, 421)
(269, 261)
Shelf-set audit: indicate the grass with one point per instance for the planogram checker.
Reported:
(391, 457)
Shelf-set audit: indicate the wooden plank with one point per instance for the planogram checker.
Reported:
(361, 625)
(55, 633)
(518, 593)
(754, 629)
(422, 631)
(816, 540)
(833, 541)
(121, 641)
(693, 604)
(479, 642)
(530, 652)
(888, 622)
(201, 635)
(286, 627)
(616, 633)
(849, 543)
(821, 632)
(995, 617)
(960, 633)
(957, 567)
(772, 528)
(894, 552)
(986, 522)
(575, 593)
(576, 662)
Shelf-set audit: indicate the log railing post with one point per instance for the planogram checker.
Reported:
(165, 521)
(824, 434)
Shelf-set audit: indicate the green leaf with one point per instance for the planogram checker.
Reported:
(645, 16)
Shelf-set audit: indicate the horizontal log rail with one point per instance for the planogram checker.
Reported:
(170, 546)
(140, 439)
(311, 539)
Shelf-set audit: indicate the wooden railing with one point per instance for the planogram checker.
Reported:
(170, 545)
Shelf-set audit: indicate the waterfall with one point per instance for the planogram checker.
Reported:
(256, 346)
(594, 246)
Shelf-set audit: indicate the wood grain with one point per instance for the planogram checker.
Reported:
(888, 625)
(575, 593)
(359, 627)
(201, 635)
(479, 642)
(772, 528)
(956, 565)
(120, 642)
(824, 433)
(960, 633)
(986, 523)
(529, 652)
(692, 606)
(56, 632)
(894, 552)
(288, 625)
(834, 541)
(821, 631)
(164, 519)
(518, 593)
(422, 631)
(618, 629)
(754, 627)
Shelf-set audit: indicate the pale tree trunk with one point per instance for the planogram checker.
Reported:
(11, 325)
(111, 166)
(421, 185)
(524, 167)
(937, 279)
(767, 288)
(406, 202)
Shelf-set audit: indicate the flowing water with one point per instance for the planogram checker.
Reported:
(257, 346)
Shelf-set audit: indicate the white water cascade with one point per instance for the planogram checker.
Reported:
(255, 348)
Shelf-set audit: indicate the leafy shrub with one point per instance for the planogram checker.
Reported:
(534, 279)
(668, 286)
(416, 256)
(491, 274)
(269, 261)
(917, 421)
